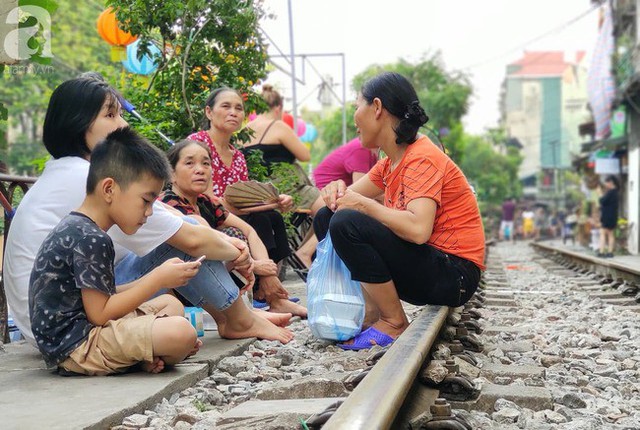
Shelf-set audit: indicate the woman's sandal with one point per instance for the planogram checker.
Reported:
(365, 338)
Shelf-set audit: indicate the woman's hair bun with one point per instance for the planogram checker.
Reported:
(415, 114)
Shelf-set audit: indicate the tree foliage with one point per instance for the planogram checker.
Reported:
(492, 169)
(330, 131)
(205, 44)
(26, 87)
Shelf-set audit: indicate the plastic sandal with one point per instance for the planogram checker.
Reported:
(261, 304)
(363, 340)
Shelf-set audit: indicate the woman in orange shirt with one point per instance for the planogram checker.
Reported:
(425, 245)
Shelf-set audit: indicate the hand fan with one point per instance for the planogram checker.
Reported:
(248, 194)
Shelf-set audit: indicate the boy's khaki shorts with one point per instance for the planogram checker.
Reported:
(116, 346)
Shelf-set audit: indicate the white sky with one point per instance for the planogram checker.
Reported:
(486, 35)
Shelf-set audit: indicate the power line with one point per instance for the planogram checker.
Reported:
(535, 39)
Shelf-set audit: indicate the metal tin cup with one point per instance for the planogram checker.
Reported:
(194, 315)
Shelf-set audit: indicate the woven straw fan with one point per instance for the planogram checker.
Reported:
(248, 194)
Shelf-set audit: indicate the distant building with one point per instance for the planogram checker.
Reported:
(544, 100)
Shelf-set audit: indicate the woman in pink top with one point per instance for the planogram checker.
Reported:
(348, 162)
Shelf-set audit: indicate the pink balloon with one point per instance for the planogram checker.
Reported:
(252, 116)
(302, 127)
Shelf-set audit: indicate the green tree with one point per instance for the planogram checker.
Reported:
(330, 133)
(492, 169)
(205, 44)
(26, 87)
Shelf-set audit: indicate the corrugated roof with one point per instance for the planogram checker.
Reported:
(544, 63)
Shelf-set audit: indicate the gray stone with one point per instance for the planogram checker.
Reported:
(505, 404)
(258, 408)
(250, 376)
(534, 398)
(308, 387)
(434, 373)
(165, 409)
(188, 418)
(292, 375)
(276, 363)
(222, 378)
(207, 421)
(136, 420)
(213, 397)
(573, 401)
(628, 364)
(554, 417)
(312, 370)
(550, 360)
(603, 382)
(498, 329)
(235, 365)
(280, 422)
(506, 416)
(182, 425)
(286, 356)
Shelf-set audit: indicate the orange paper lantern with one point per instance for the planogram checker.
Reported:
(109, 30)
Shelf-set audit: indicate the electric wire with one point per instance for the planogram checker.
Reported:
(557, 29)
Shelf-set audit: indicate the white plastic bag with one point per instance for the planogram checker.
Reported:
(335, 303)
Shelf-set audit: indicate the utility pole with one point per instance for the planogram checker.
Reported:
(292, 54)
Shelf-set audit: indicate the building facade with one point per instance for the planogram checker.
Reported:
(544, 101)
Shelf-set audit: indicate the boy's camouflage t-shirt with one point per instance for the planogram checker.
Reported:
(76, 254)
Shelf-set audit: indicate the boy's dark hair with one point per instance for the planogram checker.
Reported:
(73, 107)
(399, 98)
(126, 156)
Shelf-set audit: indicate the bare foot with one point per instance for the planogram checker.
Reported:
(278, 318)
(155, 366)
(285, 305)
(195, 349)
(304, 258)
(255, 326)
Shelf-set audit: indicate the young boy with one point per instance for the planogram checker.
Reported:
(81, 322)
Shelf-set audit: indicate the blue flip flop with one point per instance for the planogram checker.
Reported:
(363, 340)
(261, 304)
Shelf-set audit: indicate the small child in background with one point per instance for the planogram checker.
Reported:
(82, 322)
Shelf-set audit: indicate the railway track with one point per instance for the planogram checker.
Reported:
(405, 402)
(622, 280)
(548, 342)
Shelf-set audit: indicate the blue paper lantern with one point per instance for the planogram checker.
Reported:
(145, 65)
(310, 134)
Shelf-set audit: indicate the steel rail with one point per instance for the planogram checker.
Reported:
(600, 265)
(376, 401)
